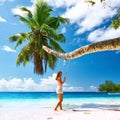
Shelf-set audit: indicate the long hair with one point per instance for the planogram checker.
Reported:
(58, 74)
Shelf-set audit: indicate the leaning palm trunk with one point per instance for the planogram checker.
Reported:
(113, 44)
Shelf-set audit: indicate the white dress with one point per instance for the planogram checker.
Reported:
(59, 89)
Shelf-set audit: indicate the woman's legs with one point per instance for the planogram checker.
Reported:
(60, 99)
(59, 104)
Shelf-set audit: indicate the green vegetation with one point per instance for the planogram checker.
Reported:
(109, 86)
(116, 22)
(43, 31)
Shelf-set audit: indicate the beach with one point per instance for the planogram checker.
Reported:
(76, 106)
(50, 114)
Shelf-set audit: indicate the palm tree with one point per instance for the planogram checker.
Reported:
(43, 31)
(113, 44)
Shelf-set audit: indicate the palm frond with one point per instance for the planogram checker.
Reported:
(26, 10)
(14, 38)
(51, 33)
(43, 12)
(25, 55)
(61, 38)
(19, 38)
(52, 61)
(55, 22)
(54, 45)
(25, 20)
(63, 20)
(28, 20)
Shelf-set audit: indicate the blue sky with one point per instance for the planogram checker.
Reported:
(87, 25)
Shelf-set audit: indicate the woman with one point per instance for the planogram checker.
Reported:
(59, 89)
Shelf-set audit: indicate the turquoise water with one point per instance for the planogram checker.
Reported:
(49, 99)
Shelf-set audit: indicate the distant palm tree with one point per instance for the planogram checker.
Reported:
(44, 31)
(113, 44)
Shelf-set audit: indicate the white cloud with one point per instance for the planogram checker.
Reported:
(73, 89)
(16, 84)
(58, 3)
(92, 88)
(28, 84)
(90, 17)
(93, 19)
(85, 16)
(11, 85)
(61, 3)
(8, 49)
(76, 12)
(103, 34)
(2, 19)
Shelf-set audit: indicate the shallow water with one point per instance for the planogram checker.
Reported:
(71, 99)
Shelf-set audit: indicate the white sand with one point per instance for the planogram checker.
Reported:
(50, 114)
